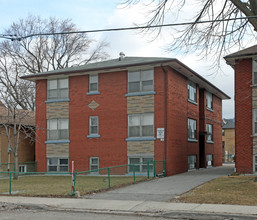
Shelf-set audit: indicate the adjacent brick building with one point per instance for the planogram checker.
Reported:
(228, 140)
(108, 113)
(26, 147)
(244, 63)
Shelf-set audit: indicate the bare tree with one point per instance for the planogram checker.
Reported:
(216, 37)
(18, 125)
(40, 54)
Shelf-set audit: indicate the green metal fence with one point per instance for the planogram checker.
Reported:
(61, 184)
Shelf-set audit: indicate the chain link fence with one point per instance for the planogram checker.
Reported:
(66, 183)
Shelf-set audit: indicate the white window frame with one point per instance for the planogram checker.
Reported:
(58, 130)
(190, 165)
(254, 71)
(90, 125)
(192, 88)
(58, 164)
(91, 164)
(58, 89)
(190, 138)
(141, 80)
(209, 101)
(93, 79)
(209, 130)
(23, 167)
(141, 125)
(141, 165)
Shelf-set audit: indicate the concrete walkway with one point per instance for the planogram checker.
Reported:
(126, 207)
(164, 189)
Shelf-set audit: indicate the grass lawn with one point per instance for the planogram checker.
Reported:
(240, 190)
(61, 185)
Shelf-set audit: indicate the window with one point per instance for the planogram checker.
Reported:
(191, 162)
(94, 163)
(141, 125)
(93, 125)
(191, 91)
(254, 71)
(58, 89)
(140, 164)
(140, 81)
(209, 160)
(57, 129)
(22, 168)
(208, 100)
(255, 121)
(209, 136)
(93, 83)
(57, 164)
(191, 129)
(223, 132)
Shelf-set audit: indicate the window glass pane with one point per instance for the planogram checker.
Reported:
(94, 167)
(133, 76)
(134, 120)
(134, 87)
(147, 130)
(93, 87)
(147, 86)
(93, 121)
(52, 161)
(134, 160)
(63, 124)
(192, 91)
(52, 93)
(63, 134)
(191, 129)
(53, 134)
(93, 130)
(147, 75)
(52, 168)
(147, 119)
(63, 168)
(63, 93)
(52, 124)
(94, 161)
(93, 79)
(63, 83)
(64, 161)
(134, 131)
(52, 84)
(209, 100)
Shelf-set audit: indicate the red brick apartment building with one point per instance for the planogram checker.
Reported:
(244, 63)
(108, 113)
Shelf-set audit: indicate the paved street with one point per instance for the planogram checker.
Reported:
(163, 189)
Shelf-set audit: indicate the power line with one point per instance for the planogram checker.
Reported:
(15, 37)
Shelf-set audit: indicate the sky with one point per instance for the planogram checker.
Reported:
(100, 14)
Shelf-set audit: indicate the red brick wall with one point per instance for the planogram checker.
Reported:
(111, 147)
(40, 147)
(159, 106)
(243, 116)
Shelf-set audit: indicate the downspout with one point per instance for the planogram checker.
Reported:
(165, 114)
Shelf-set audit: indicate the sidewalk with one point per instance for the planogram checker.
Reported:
(126, 206)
